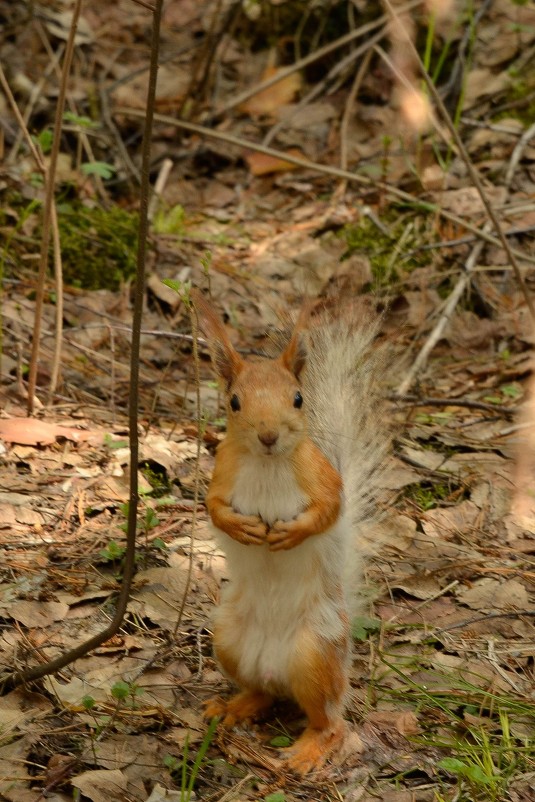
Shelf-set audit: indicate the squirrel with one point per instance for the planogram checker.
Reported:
(294, 481)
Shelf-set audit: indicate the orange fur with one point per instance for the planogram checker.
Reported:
(318, 676)
(276, 500)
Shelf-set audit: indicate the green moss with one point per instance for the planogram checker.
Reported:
(157, 477)
(98, 245)
(380, 247)
(428, 495)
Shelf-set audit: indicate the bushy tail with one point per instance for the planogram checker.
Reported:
(346, 412)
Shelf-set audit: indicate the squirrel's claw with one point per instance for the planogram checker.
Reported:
(285, 535)
(251, 531)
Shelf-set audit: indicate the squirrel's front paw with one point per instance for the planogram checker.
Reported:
(250, 531)
(285, 535)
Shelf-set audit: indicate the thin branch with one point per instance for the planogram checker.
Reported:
(448, 310)
(519, 149)
(194, 319)
(417, 401)
(47, 211)
(19, 677)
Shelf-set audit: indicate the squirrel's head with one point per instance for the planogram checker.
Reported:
(265, 407)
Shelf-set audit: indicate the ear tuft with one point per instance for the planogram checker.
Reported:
(294, 355)
(225, 359)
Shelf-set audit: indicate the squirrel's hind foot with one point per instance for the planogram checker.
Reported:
(244, 706)
(314, 747)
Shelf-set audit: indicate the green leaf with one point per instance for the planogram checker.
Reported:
(277, 796)
(159, 544)
(44, 140)
(511, 390)
(88, 702)
(109, 442)
(362, 626)
(113, 551)
(80, 120)
(280, 741)
(170, 221)
(151, 519)
(171, 763)
(120, 690)
(102, 169)
(452, 764)
(477, 775)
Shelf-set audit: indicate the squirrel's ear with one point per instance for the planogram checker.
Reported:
(226, 360)
(294, 355)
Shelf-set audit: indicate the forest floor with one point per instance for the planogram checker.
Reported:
(443, 674)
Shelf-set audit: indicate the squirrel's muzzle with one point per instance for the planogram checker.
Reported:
(268, 437)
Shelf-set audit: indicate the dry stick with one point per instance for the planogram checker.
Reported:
(161, 181)
(325, 169)
(194, 319)
(82, 135)
(351, 98)
(58, 272)
(449, 308)
(58, 278)
(108, 121)
(474, 175)
(18, 677)
(422, 401)
(34, 96)
(517, 153)
(47, 211)
(304, 62)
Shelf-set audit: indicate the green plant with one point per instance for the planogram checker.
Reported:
(112, 552)
(362, 627)
(179, 766)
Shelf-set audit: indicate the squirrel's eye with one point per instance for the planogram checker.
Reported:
(298, 400)
(235, 403)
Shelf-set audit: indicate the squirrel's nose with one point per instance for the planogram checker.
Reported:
(268, 438)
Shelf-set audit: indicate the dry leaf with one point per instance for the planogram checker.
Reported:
(102, 785)
(30, 431)
(263, 164)
(269, 100)
(491, 594)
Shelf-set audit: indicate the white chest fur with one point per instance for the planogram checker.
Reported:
(271, 596)
(266, 486)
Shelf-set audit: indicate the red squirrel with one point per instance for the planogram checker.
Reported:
(293, 482)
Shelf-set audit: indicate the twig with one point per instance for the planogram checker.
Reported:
(161, 181)
(474, 175)
(449, 308)
(416, 401)
(350, 101)
(197, 476)
(452, 243)
(490, 616)
(34, 96)
(55, 231)
(47, 211)
(110, 124)
(81, 133)
(517, 153)
(336, 172)
(19, 677)
(58, 277)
